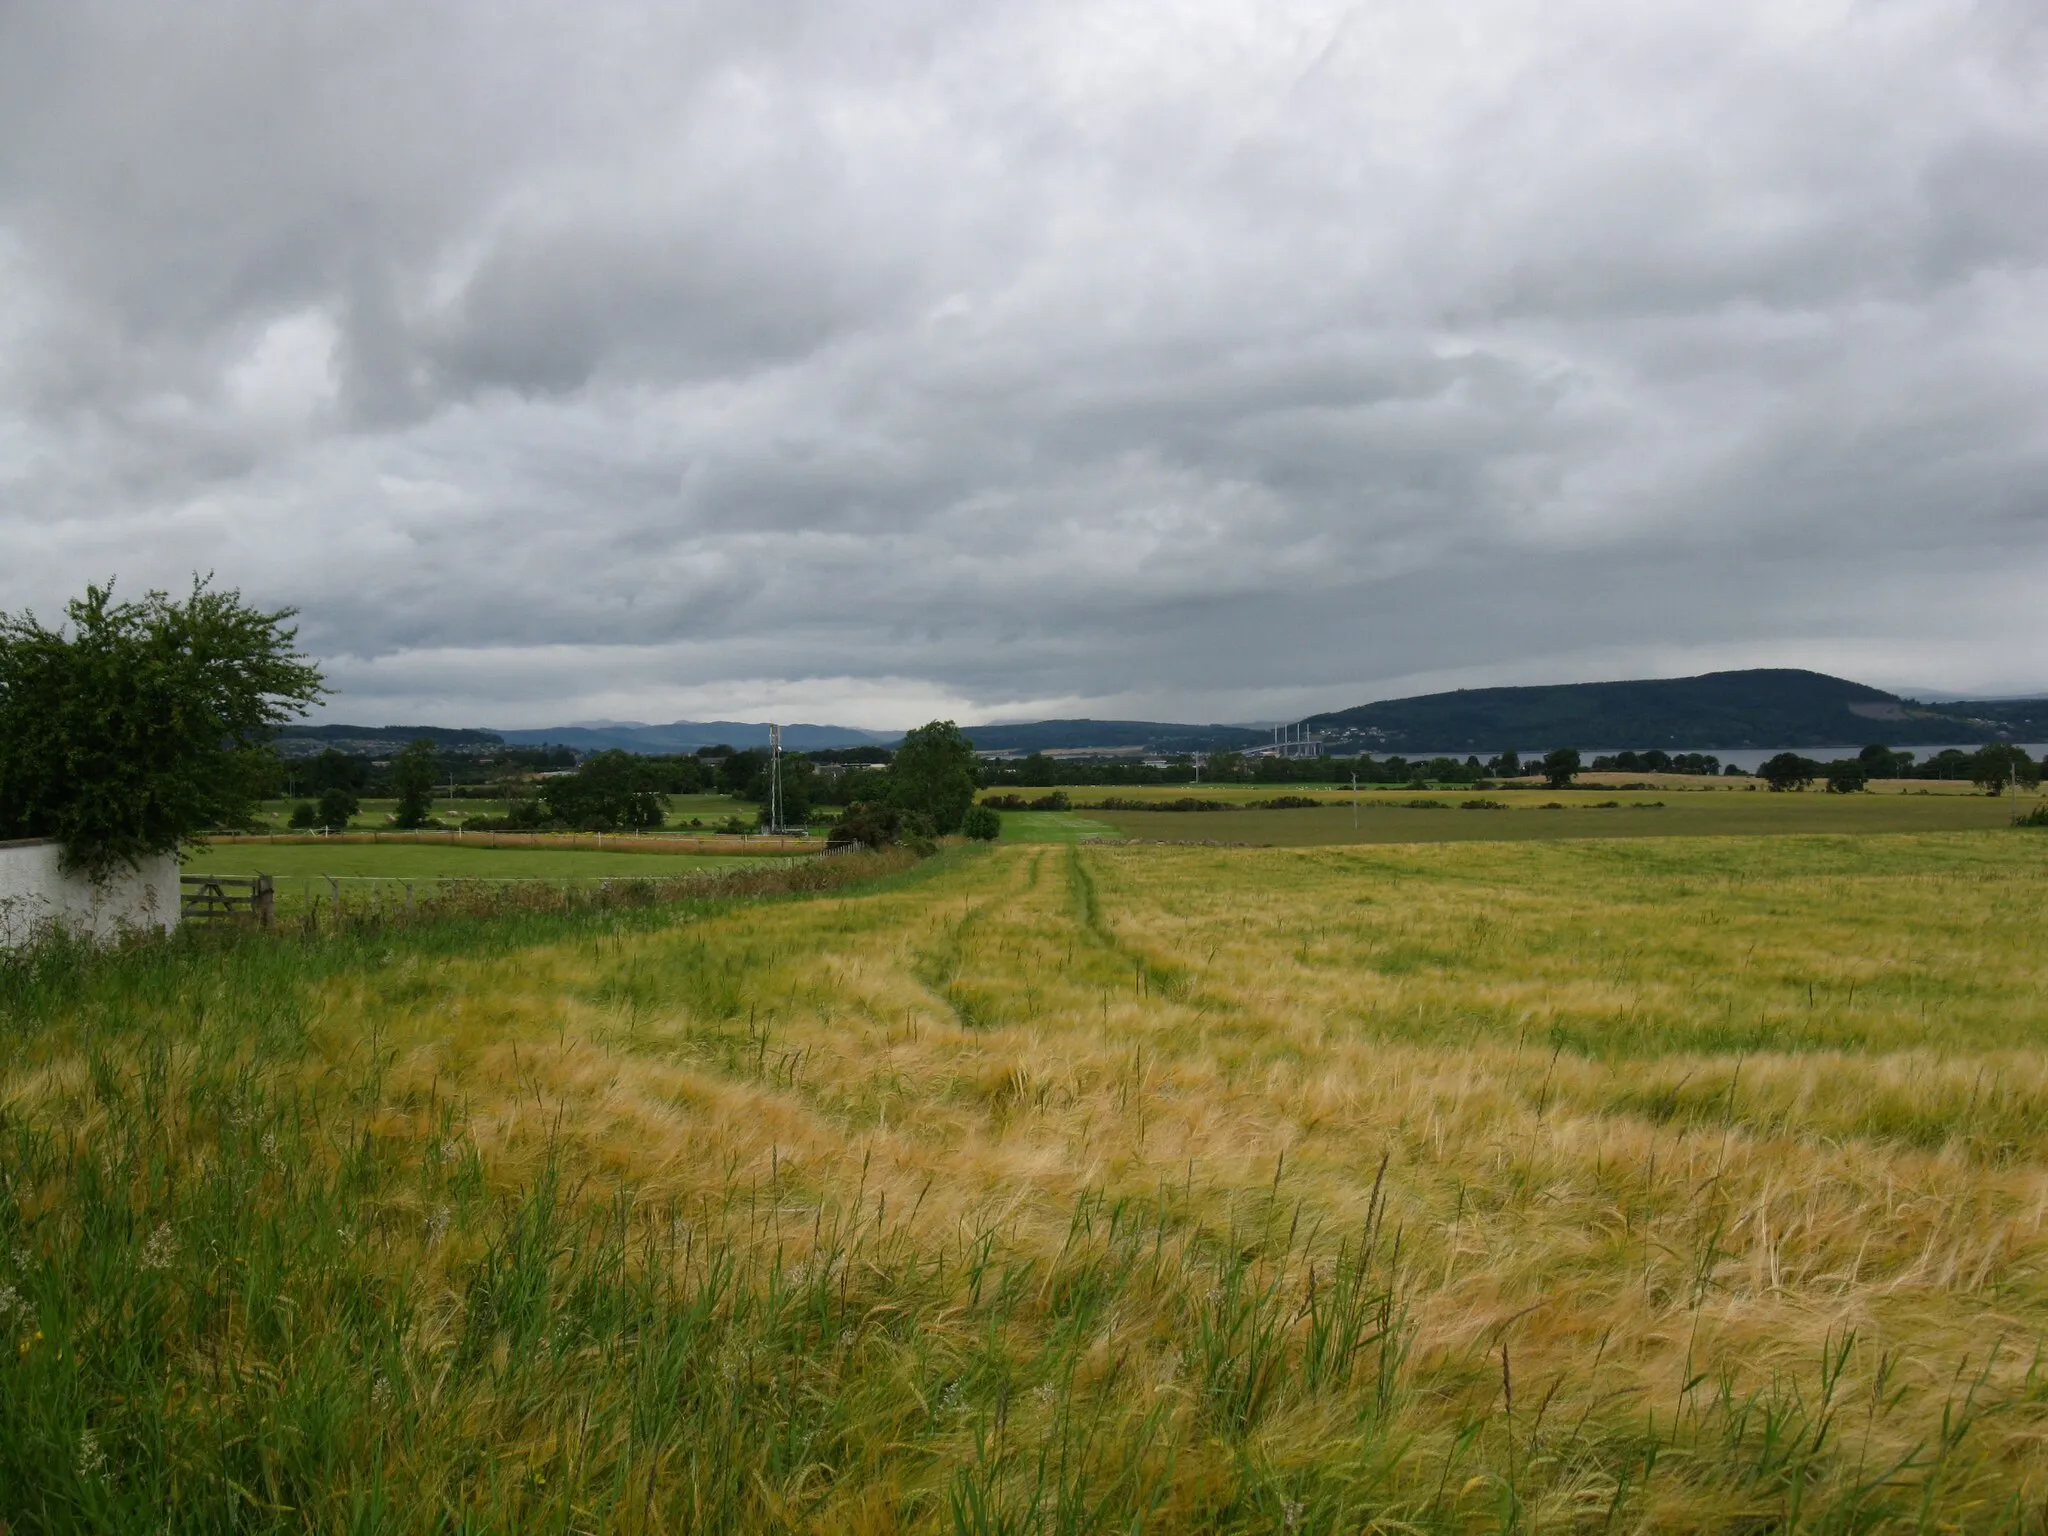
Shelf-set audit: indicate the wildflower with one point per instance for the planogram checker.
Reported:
(950, 1398)
(270, 1144)
(10, 1298)
(1290, 1514)
(21, 1258)
(450, 1150)
(437, 1224)
(161, 1248)
(92, 1461)
(380, 1392)
(1045, 1392)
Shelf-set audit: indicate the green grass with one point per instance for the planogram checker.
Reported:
(373, 873)
(1690, 1184)
(415, 861)
(1053, 827)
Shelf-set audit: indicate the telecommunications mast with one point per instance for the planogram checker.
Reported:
(775, 778)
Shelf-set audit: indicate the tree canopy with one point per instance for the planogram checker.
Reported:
(137, 726)
(933, 775)
(613, 791)
(412, 779)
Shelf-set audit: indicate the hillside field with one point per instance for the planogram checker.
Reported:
(1683, 1184)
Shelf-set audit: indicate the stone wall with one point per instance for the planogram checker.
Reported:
(36, 893)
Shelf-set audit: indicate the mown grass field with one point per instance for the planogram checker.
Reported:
(1595, 1184)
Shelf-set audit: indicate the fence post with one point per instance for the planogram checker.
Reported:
(408, 895)
(266, 900)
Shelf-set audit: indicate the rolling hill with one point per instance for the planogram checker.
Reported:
(1760, 707)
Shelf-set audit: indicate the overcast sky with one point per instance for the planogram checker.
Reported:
(869, 362)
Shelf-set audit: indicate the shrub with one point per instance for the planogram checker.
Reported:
(1286, 803)
(1482, 804)
(305, 817)
(866, 825)
(2037, 817)
(982, 824)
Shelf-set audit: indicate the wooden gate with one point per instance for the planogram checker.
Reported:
(233, 898)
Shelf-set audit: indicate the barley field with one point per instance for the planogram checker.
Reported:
(1620, 1185)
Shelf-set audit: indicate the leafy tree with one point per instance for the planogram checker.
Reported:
(305, 817)
(412, 777)
(739, 773)
(982, 824)
(1560, 767)
(338, 807)
(310, 775)
(1787, 771)
(137, 726)
(609, 793)
(1992, 768)
(1848, 776)
(1881, 762)
(933, 775)
(1038, 770)
(1508, 765)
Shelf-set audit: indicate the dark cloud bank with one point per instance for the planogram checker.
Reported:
(866, 362)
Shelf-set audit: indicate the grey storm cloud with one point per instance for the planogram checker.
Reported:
(1200, 360)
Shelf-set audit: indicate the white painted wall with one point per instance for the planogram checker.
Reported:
(36, 893)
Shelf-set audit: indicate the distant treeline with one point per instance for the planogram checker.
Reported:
(1992, 768)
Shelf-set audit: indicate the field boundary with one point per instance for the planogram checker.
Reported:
(572, 842)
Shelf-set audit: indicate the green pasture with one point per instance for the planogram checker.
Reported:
(303, 870)
(1053, 827)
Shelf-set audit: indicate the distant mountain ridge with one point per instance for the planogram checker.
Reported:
(1758, 707)
(1112, 736)
(689, 735)
(1717, 711)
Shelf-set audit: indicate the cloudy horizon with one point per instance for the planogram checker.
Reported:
(1194, 362)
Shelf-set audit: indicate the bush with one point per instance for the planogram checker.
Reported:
(305, 817)
(867, 825)
(982, 824)
(1286, 803)
(1056, 801)
(2037, 817)
(1482, 804)
(1848, 777)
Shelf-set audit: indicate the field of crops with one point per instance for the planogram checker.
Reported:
(1695, 808)
(1617, 1184)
